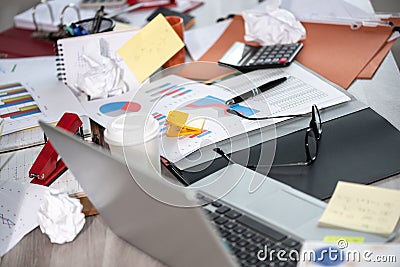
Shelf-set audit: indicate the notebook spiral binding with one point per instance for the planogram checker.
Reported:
(60, 66)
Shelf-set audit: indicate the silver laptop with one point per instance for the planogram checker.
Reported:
(280, 216)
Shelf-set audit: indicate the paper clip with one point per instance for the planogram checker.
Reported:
(47, 167)
(178, 126)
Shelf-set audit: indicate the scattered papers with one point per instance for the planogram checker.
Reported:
(363, 208)
(334, 11)
(22, 139)
(22, 105)
(15, 167)
(36, 94)
(60, 217)
(150, 48)
(19, 204)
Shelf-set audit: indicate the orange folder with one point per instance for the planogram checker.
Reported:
(336, 52)
(369, 70)
(340, 53)
(234, 32)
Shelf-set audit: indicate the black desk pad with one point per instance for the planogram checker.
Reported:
(361, 147)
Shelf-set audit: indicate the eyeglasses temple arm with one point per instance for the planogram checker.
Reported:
(234, 112)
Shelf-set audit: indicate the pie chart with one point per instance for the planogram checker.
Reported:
(115, 109)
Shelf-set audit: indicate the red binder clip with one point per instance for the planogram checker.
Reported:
(46, 168)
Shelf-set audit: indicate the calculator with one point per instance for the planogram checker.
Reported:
(246, 57)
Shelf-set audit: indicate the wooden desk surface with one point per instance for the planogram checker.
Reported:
(97, 245)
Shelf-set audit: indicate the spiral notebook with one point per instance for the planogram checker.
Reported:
(90, 56)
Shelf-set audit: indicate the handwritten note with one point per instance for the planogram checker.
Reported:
(150, 48)
(363, 208)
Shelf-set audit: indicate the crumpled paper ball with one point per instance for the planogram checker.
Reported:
(60, 217)
(103, 77)
(270, 25)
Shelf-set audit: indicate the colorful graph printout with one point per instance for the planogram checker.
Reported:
(115, 109)
(217, 103)
(167, 89)
(16, 102)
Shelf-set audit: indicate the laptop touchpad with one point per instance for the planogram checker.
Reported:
(284, 209)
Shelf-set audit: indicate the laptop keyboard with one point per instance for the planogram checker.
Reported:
(245, 237)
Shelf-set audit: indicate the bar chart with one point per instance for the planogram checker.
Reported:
(16, 102)
(19, 106)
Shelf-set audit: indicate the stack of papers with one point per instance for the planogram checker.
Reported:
(334, 11)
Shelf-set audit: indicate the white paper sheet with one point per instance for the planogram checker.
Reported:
(333, 11)
(19, 204)
(199, 40)
(20, 139)
(15, 166)
(52, 97)
(295, 96)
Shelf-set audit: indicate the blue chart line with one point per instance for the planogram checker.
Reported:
(6, 221)
(219, 104)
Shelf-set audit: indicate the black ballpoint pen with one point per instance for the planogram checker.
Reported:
(255, 91)
(97, 20)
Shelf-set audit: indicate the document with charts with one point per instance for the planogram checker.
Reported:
(295, 96)
(172, 92)
(23, 103)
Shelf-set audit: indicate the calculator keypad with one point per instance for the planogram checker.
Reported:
(273, 55)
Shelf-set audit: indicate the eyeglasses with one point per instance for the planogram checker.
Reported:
(311, 140)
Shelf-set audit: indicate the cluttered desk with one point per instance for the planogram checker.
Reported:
(290, 147)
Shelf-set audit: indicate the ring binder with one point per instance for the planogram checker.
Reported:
(60, 66)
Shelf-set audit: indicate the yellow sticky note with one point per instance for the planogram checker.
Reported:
(348, 239)
(150, 48)
(119, 26)
(177, 124)
(177, 118)
(363, 208)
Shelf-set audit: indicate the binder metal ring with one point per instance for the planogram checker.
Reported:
(44, 2)
(73, 6)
